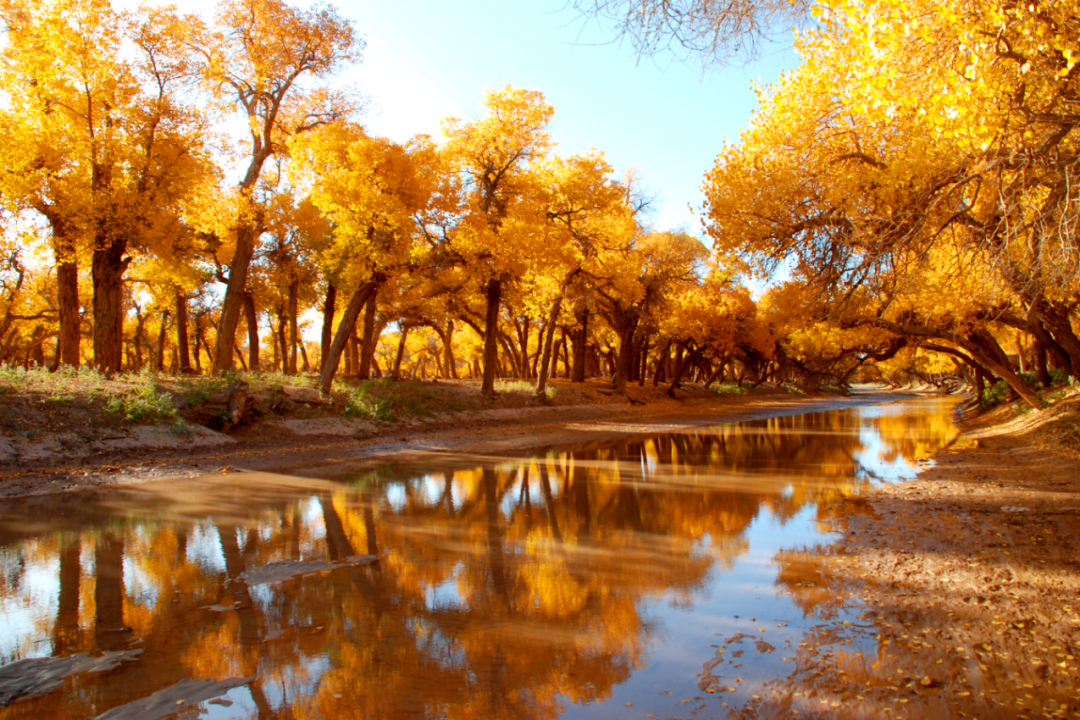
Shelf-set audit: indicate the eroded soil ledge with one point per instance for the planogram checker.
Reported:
(62, 461)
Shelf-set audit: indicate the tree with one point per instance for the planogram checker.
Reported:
(640, 279)
(258, 61)
(588, 218)
(377, 196)
(876, 177)
(499, 233)
(115, 151)
(714, 31)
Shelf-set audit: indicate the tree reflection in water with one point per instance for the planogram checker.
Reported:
(505, 587)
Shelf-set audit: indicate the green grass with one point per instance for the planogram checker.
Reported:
(729, 388)
(522, 386)
(360, 404)
(793, 388)
(144, 404)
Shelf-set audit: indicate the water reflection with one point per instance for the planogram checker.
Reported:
(570, 583)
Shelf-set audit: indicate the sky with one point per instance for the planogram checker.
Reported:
(426, 60)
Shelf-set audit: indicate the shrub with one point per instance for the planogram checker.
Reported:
(994, 395)
(729, 388)
(143, 405)
(359, 403)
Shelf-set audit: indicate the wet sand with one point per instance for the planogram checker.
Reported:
(954, 595)
(969, 581)
(484, 432)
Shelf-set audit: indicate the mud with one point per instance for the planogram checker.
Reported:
(276, 446)
(969, 582)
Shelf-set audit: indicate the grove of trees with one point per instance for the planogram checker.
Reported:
(188, 195)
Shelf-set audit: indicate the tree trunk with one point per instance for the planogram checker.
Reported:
(137, 340)
(282, 341)
(562, 352)
(534, 369)
(1058, 322)
(182, 334)
(67, 296)
(491, 333)
(159, 353)
(661, 363)
(251, 319)
(983, 348)
(367, 346)
(396, 373)
(328, 320)
(1057, 354)
(545, 354)
(200, 333)
(294, 337)
(249, 221)
(643, 365)
(278, 364)
(1042, 372)
(523, 358)
(579, 338)
(107, 276)
(682, 361)
(448, 351)
(350, 354)
(995, 359)
(510, 355)
(623, 363)
(303, 354)
(346, 330)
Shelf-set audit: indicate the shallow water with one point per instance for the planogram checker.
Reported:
(636, 577)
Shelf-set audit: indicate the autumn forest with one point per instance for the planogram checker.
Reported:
(192, 195)
(298, 419)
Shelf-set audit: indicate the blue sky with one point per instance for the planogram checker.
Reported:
(426, 60)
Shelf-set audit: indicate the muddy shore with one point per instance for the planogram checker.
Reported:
(490, 431)
(967, 578)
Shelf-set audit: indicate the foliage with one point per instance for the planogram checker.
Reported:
(143, 403)
(359, 404)
(520, 386)
(994, 395)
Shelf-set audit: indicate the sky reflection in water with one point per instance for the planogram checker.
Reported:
(638, 571)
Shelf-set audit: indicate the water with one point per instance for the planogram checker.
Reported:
(665, 575)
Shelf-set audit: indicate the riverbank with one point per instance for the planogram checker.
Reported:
(968, 578)
(453, 419)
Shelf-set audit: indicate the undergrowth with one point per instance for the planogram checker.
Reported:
(142, 405)
(522, 386)
(792, 388)
(729, 388)
(359, 403)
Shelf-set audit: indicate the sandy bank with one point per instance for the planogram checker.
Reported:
(968, 578)
(285, 445)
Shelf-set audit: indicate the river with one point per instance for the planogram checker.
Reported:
(655, 576)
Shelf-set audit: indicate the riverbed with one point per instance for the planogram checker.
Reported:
(673, 575)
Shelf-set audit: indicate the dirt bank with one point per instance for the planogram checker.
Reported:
(967, 581)
(578, 413)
